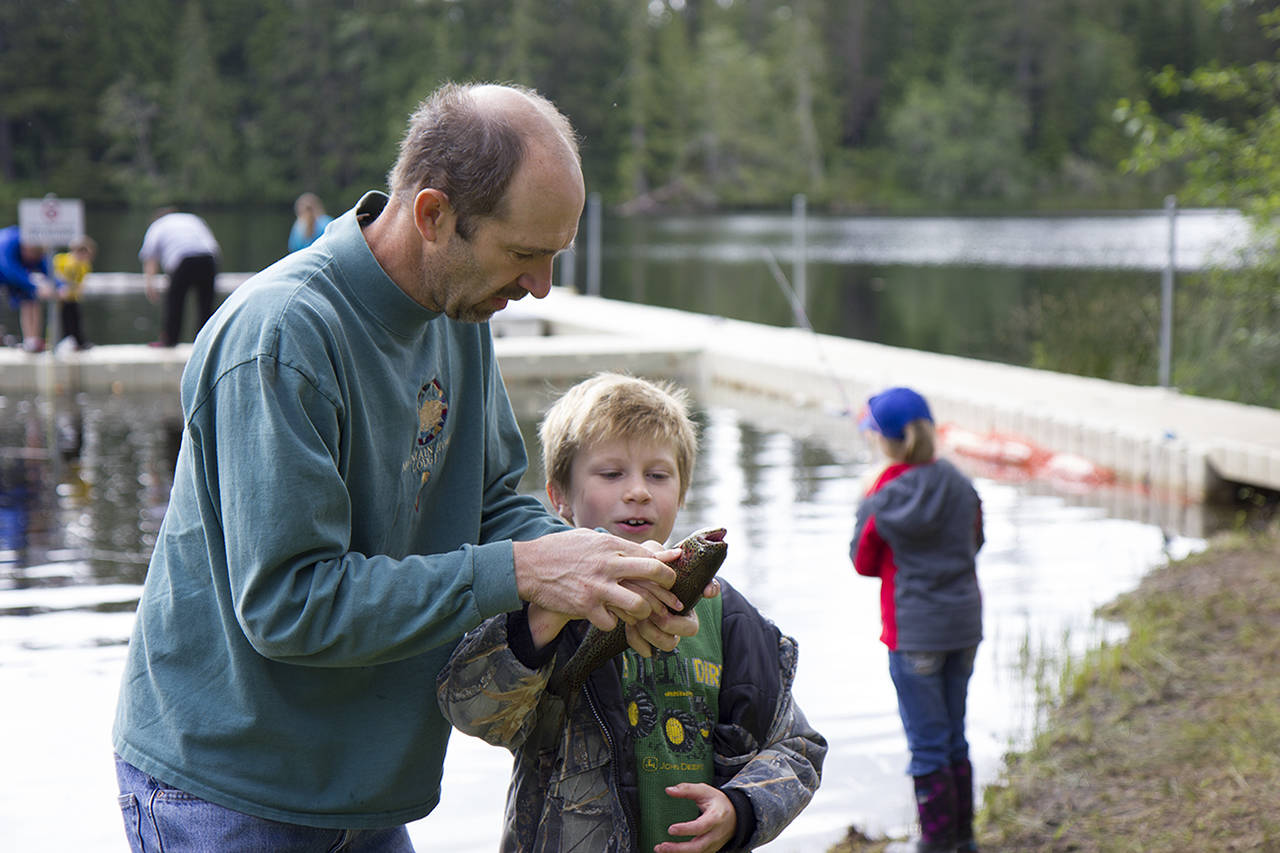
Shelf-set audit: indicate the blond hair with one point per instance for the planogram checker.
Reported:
(611, 406)
(918, 445)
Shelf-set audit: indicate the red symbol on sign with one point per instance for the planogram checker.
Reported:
(50, 209)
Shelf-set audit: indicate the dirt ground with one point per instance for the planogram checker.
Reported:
(1169, 741)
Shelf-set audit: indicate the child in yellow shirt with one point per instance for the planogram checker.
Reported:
(70, 269)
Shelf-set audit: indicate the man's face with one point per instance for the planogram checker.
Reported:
(509, 256)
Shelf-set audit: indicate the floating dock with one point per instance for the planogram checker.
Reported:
(1174, 446)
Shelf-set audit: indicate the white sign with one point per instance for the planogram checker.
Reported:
(50, 222)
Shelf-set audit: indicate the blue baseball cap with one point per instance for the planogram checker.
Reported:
(889, 412)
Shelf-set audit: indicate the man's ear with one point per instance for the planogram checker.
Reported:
(433, 215)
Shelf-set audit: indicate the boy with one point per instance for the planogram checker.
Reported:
(70, 268)
(704, 741)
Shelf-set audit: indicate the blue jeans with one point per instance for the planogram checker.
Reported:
(159, 818)
(932, 689)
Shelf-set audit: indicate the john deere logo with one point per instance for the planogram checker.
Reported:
(650, 764)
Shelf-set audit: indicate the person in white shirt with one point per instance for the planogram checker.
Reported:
(183, 246)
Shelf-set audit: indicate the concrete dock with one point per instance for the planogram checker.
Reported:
(1172, 444)
(1177, 447)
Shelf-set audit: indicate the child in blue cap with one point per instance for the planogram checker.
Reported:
(919, 529)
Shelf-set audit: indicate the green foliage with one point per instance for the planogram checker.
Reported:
(960, 140)
(196, 122)
(1084, 329)
(1222, 140)
(127, 117)
(1227, 343)
(960, 103)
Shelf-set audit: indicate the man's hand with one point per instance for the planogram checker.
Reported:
(581, 573)
(711, 829)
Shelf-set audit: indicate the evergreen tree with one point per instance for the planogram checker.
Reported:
(678, 101)
(196, 143)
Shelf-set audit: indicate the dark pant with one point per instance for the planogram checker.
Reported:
(71, 323)
(195, 273)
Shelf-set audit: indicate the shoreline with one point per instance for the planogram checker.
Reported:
(1164, 741)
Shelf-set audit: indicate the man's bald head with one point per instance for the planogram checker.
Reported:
(469, 140)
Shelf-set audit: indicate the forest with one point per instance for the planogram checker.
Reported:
(865, 106)
(895, 105)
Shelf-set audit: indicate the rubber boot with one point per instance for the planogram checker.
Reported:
(936, 806)
(962, 772)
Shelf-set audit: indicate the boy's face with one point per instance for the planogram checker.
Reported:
(629, 488)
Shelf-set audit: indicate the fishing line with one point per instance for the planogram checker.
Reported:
(797, 309)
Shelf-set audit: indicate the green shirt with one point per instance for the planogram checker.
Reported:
(343, 508)
(672, 707)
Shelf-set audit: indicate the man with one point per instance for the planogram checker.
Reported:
(183, 245)
(344, 505)
(19, 264)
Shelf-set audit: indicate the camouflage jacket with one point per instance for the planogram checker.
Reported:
(573, 784)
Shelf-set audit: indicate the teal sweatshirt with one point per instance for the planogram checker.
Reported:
(342, 511)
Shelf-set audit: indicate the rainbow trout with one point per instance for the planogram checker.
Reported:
(703, 554)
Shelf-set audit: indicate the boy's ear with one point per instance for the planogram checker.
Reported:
(558, 502)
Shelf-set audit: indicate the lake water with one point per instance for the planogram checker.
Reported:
(84, 483)
(1076, 293)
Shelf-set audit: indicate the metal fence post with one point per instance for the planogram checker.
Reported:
(593, 244)
(1166, 294)
(799, 239)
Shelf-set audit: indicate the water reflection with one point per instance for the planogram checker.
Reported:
(85, 482)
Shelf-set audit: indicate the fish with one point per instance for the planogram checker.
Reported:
(702, 554)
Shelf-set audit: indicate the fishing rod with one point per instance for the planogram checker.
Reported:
(802, 317)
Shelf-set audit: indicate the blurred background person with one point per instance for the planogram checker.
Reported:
(183, 246)
(311, 221)
(70, 269)
(18, 262)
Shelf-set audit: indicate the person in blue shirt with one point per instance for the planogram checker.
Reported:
(345, 506)
(311, 221)
(18, 261)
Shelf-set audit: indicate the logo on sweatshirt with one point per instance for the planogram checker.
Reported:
(429, 444)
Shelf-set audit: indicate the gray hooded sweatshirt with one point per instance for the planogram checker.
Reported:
(919, 530)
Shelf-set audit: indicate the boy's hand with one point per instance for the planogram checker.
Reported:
(662, 630)
(581, 574)
(664, 627)
(711, 830)
(544, 625)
